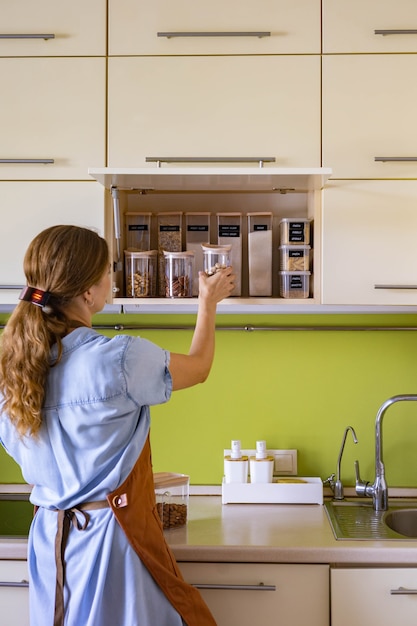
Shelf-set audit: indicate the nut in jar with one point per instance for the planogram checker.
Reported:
(172, 494)
(140, 274)
(215, 257)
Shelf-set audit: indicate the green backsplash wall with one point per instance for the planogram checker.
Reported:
(294, 388)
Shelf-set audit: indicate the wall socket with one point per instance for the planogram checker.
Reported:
(285, 460)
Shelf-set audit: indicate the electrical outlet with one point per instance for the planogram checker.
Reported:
(285, 461)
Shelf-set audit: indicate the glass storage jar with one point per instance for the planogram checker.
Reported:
(179, 267)
(215, 257)
(140, 274)
(172, 492)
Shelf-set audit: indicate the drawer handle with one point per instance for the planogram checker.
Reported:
(11, 287)
(383, 159)
(260, 160)
(396, 31)
(172, 34)
(23, 583)
(27, 36)
(14, 161)
(403, 591)
(395, 286)
(260, 587)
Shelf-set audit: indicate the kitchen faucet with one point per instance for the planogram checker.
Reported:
(337, 485)
(378, 491)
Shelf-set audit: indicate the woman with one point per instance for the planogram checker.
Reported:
(74, 414)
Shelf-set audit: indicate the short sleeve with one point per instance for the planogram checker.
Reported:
(146, 371)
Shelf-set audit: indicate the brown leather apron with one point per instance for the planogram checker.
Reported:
(134, 506)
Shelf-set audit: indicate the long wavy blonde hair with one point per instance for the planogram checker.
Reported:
(65, 261)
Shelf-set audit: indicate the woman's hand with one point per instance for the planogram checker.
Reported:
(216, 287)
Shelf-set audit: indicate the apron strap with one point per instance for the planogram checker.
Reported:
(64, 521)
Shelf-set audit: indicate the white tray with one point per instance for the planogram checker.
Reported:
(284, 492)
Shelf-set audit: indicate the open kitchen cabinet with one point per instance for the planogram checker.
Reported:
(285, 192)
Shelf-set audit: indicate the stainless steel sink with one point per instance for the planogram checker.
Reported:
(355, 519)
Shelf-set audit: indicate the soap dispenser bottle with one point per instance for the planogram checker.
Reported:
(236, 465)
(261, 465)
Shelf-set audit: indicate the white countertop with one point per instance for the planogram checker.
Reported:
(263, 533)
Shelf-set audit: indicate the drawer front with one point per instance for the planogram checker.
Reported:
(245, 594)
(212, 106)
(51, 110)
(71, 28)
(369, 104)
(374, 596)
(215, 27)
(14, 593)
(350, 25)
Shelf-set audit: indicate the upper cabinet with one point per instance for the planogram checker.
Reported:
(369, 108)
(51, 28)
(371, 26)
(202, 106)
(234, 27)
(52, 117)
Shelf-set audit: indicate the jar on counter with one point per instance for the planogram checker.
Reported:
(172, 493)
(140, 274)
(179, 268)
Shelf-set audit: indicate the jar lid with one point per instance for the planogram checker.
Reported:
(138, 254)
(212, 247)
(179, 255)
(169, 479)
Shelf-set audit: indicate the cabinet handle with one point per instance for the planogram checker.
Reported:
(11, 287)
(27, 36)
(403, 591)
(383, 159)
(260, 160)
(172, 34)
(260, 587)
(395, 286)
(396, 31)
(14, 161)
(6, 583)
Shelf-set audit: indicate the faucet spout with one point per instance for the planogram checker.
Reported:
(338, 485)
(378, 491)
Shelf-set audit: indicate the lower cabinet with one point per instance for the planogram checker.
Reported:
(382, 596)
(243, 594)
(14, 593)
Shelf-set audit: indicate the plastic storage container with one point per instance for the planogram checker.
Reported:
(172, 493)
(179, 269)
(215, 257)
(140, 274)
(260, 254)
(197, 232)
(295, 230)
(138, 231)
(294, 284)
(294, 258)
(229, 232)
(169, 239)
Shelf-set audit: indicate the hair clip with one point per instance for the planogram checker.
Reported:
(39, 297)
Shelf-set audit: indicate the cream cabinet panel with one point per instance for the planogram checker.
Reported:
(368, 239)
(266, 593)
(294, 27)
(71, 27)
(374, 596)
(52, 109)
(369, 108)
(32, 206)
(214, 106)
(14, 593)
(350, 25)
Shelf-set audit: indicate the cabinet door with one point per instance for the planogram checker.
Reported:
(214, 106)
(368, 239)
(28, 208)
(52, 109)
(350, 25)
(373, 596)
(247, 594)
(72, 28)
(294, 27)
(14, 593)
(369, 105)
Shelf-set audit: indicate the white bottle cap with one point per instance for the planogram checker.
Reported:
(236, 451)
(261, 450)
